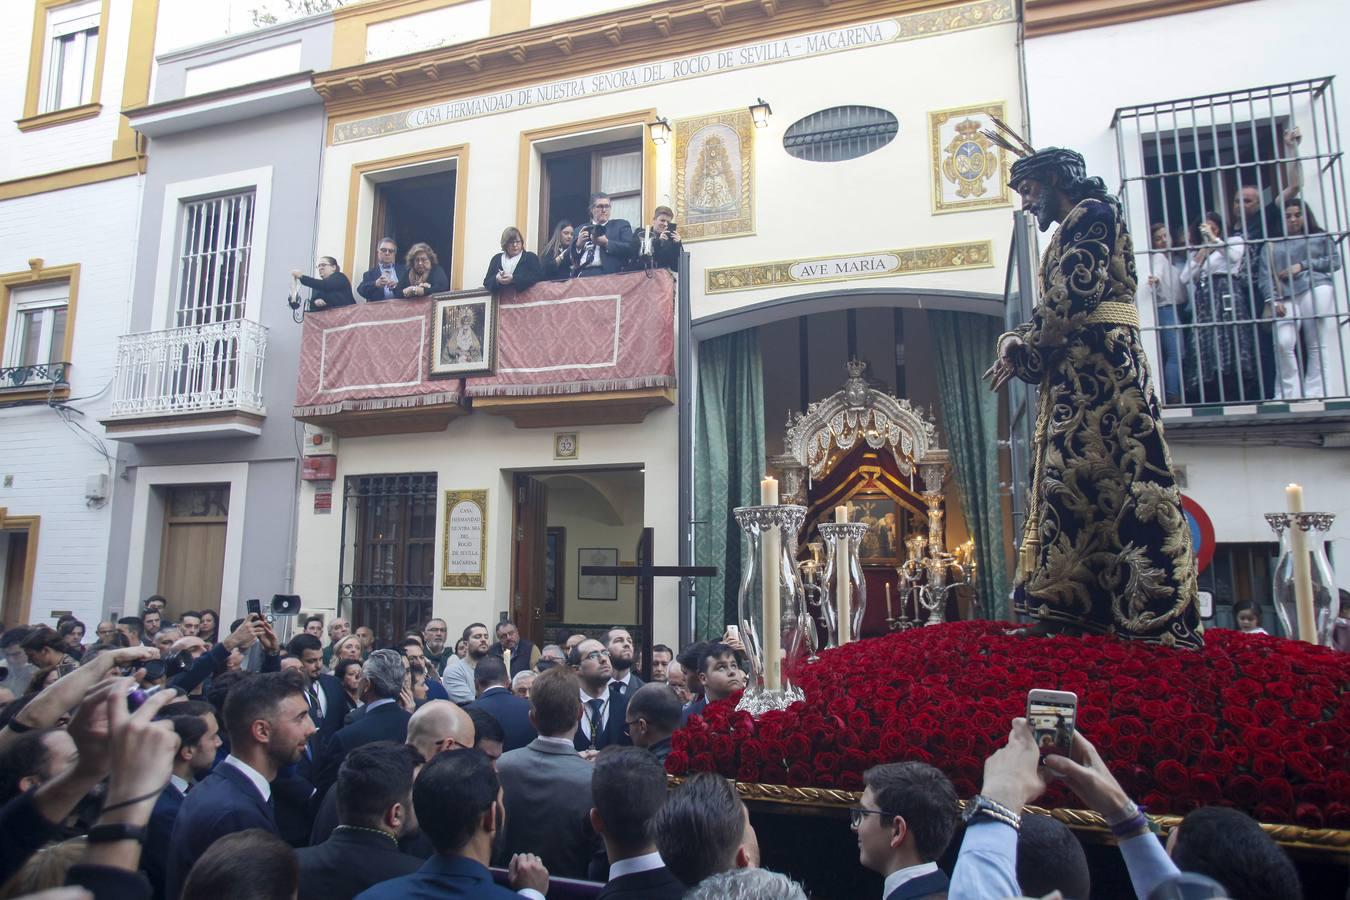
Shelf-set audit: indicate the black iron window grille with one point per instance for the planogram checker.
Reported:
(388, 557)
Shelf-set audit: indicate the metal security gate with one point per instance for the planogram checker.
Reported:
(388, 557)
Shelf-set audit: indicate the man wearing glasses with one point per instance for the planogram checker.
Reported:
(602, 707)
(904, 822)
(378, 283)
(603, 245)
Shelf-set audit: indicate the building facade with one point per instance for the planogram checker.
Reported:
(1179, 137)
(828, 213)
(71, 176)
(208, 455)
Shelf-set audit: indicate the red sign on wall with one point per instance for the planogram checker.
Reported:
(319, 468)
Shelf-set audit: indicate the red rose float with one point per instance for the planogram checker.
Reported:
(1253, 722)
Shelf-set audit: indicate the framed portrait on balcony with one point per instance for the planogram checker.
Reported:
(464, 336)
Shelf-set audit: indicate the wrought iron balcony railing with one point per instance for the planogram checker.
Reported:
(40, 375)
(196, 369)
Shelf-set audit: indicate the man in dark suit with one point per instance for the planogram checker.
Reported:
(269, 726)
(378, 283)
(374, 802)
(629, 787)
(651, 717)
(194, 721)
(704, 828)
(458, 801)
(383, 719)
(546, 786)
(602, 246)
(602, 700)
(904, 822)
(523, 654)
(619, 643)
(495, 698)
(324, 693)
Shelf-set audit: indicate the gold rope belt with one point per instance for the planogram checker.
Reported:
(1113, 312)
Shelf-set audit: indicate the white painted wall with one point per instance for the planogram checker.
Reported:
(481, 451)
(94, 226)
(803, 209)
(65, 146)
(590, 520)
(1213, 51)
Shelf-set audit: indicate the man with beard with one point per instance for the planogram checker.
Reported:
(458, 677)
(519, 654)
(433, 644)
(267, 719)
(1106, 548)
(602, 705)
(619, 643)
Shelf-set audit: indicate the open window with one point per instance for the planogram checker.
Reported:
(416, 207)
(570, 174)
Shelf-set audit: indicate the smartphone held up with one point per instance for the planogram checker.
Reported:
(1052, 716)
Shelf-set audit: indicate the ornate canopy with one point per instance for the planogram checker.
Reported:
(833, 426)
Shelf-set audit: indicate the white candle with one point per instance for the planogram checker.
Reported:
(1298, 546)
(841, 582)
(506, 660)
(890, 613)
(773, 636)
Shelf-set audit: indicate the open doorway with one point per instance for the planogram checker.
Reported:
(566, 520)
(416, 205)
(569, 177)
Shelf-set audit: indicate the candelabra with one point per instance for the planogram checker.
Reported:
(927, 580)
(814, 596)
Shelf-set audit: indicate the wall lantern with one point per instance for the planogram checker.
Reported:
(660, 131)
(760, 113)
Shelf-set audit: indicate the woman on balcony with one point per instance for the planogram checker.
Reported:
(1304, 303)
(1223, 338)
(330, 289)
(514, 267)
(553, 258)
(425, 276)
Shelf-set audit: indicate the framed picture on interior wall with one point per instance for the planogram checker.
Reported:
(883, 544)
(464, 336)
(597, 587)
(714, 194)
(555, 552)
(969, 171)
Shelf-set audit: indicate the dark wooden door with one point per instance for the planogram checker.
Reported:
(527, 568)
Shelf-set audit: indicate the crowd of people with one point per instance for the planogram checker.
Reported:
(600, 246)
(166, 760)
(1246, 305)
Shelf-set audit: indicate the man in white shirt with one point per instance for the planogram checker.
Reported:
(629, 787)
(199, 738)
(458, 677)
(904, 822)
(268, 721)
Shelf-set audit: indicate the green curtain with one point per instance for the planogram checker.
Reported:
(964, 344)
(728, 464)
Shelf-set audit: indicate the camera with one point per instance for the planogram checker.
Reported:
(672, 227)
(597, 231)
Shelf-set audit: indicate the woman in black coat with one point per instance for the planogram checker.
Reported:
(330, 289)
(424, 275)
(514, 266)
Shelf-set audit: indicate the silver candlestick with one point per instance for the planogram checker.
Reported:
(755, 522)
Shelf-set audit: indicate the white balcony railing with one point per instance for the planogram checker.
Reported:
(196, 369)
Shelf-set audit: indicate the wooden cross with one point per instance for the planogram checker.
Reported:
(647, 574)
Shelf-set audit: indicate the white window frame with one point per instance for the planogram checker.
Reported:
(170, 229)
(49, 296)
(82, 19)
